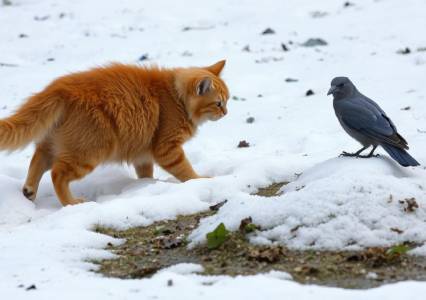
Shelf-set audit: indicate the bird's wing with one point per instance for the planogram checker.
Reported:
(371, 102)
(376, 106)
(367, 119)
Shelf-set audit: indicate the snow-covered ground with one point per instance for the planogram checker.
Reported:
(337, 203)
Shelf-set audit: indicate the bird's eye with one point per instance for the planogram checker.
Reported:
(219, 103)
(340, 85)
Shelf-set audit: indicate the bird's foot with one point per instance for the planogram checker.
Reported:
(357, 155)
(347, 154)
(368, 156)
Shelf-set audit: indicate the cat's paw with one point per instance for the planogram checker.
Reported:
(29, 192)
(76, 201)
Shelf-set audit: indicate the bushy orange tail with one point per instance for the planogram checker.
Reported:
(30, 122)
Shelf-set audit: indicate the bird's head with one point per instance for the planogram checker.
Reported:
(341, 87)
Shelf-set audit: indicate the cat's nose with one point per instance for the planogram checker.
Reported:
(224, 110)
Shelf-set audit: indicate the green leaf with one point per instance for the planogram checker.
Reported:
(251, 228)
(217, 237)
(398, 250)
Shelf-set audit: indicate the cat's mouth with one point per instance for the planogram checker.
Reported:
(215, 117)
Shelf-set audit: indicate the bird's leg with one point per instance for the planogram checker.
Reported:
(356, 154)
(370, 154)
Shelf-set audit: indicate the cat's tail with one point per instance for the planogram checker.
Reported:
(30, 122)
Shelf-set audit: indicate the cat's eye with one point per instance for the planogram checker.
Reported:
(219, 103)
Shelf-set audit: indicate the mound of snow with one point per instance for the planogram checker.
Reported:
(342, 203)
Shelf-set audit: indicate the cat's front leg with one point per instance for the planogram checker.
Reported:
(144, 170)
(175, 162)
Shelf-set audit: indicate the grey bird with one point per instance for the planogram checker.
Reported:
(366, 122)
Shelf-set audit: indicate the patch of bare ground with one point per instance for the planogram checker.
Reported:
(163, 244)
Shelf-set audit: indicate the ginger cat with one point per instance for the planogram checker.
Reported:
(119, 113)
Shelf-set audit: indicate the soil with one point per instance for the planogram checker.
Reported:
(163, 244)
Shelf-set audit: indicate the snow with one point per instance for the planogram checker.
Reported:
(336, 203)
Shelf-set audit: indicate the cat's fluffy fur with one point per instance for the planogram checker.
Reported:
(118, 113)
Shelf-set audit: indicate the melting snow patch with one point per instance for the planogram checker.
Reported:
(340, 204)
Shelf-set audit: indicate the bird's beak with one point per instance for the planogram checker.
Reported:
(331, 90)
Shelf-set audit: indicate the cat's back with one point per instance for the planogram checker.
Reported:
(115, 86)
(120, 100)
(112, 82)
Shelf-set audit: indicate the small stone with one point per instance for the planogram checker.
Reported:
(397, 230)
(236, 98)
(309, 93)
(50, 59)
(31, 287)
(144, 57)
(250, 120)
(347, 4)
(404, 51)
(284, 47)
(406, 108)
(44, 18)
(216, 207)
(22, 36)
(246, 48)
(318, 14)
(268, 31)
(291, 79)
(243, 144)
(169, 282)
(314, 42)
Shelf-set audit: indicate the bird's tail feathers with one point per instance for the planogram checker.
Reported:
(400, 155)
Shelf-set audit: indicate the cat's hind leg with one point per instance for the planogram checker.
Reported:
(40, 163)
(65, 170)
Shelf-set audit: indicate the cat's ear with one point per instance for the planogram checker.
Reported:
(216, 68)
(203, 86)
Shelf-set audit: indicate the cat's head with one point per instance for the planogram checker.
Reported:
(205, 94)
